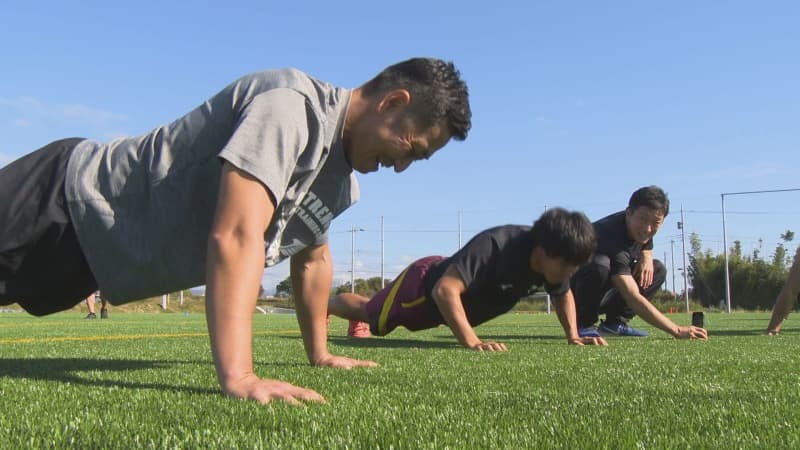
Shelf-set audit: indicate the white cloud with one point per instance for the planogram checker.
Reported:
(90, 114)
(408, 259)
(30, 110)
(21, 123)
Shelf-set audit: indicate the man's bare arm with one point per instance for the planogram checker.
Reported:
(234, 265)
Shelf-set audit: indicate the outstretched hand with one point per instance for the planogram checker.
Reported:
(264, 391)
(589, 341)
(692, 332)
(342, 362)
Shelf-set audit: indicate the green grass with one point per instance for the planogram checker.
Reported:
(147, 381)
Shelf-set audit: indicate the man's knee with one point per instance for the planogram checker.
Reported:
(595, 272)
(659, 272)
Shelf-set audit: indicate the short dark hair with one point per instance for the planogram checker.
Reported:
(652, 197)
(437, 92)
(565, 234)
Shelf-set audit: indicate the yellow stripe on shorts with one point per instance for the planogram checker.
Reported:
(413, 303)
(387, 304)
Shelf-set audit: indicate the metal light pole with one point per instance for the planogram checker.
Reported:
(672, 253)
(382, 275)
(725, 253)
(683, 250)
(353, 259)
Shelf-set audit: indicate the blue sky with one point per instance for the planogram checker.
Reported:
(575, 104)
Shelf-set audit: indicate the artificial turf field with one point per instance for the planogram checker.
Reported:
(147, 381)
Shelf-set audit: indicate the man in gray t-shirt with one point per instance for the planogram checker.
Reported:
(252, 176)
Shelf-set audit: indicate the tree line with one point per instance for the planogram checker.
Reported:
(754, 280)
(366, 287)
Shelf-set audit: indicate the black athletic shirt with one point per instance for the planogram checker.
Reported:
(613, 241)
(495, 267)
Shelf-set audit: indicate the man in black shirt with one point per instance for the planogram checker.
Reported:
(622, 275)
(483, 280)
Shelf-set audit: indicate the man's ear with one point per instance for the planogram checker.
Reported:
(394, 98)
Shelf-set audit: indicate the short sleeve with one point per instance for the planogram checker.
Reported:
(269, 137)
(473, 261)
(621, 263)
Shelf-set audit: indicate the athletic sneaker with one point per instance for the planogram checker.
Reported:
(620, 329)
(104, 313)
(91, 316)
(590, 331)
(358, 329)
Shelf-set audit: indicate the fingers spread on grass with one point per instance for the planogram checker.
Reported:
(265, 391)
(491, 347)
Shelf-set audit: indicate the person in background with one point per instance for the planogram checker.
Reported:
(622, 275)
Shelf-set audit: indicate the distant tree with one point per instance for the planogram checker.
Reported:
(736, 250)
(284, 287)
(781, 258)
(695, 244)
(367, 288)
(754, 283)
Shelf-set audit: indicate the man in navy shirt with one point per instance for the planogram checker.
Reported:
(622, 275)
(483, 280)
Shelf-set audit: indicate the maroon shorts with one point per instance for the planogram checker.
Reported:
(403, 301)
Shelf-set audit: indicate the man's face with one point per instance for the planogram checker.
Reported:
(554, 269)
(643, 223)
(391, 138)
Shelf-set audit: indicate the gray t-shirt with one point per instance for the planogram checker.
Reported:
(143, 207)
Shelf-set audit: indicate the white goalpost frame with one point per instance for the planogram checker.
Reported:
(725, 237)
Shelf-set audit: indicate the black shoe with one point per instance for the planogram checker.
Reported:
(91, 316)
(104, 313)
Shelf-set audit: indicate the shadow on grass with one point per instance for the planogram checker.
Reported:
(383, 342)
(68, 370)
(388, 342)
(519, 337)
(755, 332)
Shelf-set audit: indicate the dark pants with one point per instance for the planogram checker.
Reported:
(594, 294)
(42, 266)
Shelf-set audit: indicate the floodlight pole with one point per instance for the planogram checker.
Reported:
(353, 259)
(725, 256)
(685, 272)
(725, 237)
(672, 257)
(382, 274)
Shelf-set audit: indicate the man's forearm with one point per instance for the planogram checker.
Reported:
(233, 276)
(650, 314)
(449, 304)
(311, 280)
(565, 310)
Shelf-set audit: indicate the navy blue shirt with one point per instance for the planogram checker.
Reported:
(495, 267)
